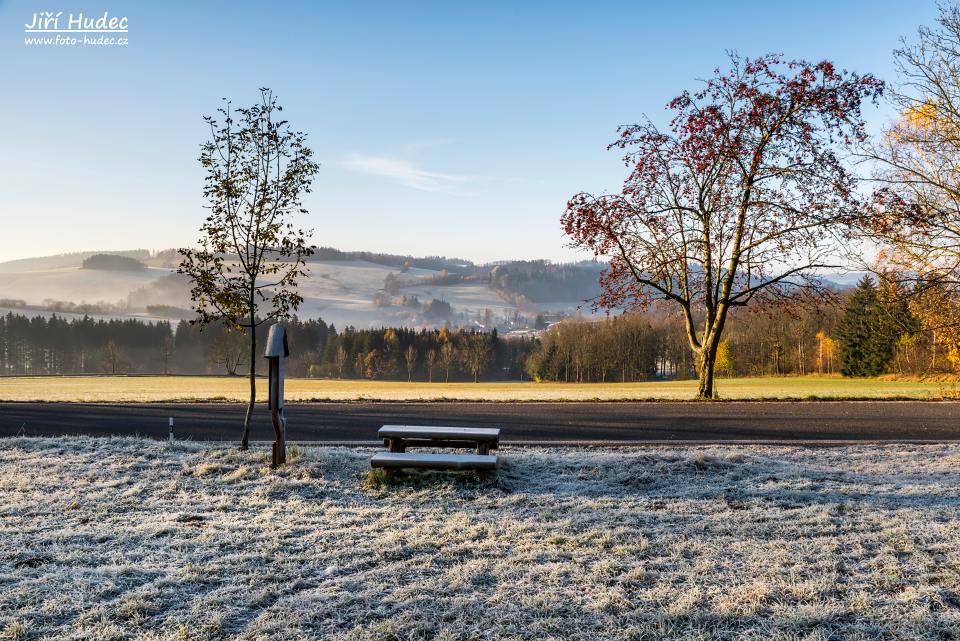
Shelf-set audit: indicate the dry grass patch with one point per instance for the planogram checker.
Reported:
(97, 389)
(128, 539)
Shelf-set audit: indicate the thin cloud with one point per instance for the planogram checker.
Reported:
(404, 172)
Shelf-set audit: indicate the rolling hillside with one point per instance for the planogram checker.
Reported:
(346, 288)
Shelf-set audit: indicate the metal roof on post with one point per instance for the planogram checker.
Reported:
(277, 342)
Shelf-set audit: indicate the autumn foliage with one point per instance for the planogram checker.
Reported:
(740, 196)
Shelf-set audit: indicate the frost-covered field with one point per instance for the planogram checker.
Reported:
(124, 538)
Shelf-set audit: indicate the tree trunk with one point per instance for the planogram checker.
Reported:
(933, 352)
(706, 361)
(245, 441)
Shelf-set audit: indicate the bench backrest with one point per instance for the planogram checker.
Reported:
(440, 433)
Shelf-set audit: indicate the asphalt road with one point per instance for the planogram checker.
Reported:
(540, 422)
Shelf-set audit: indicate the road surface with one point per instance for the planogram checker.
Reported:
(521, 422)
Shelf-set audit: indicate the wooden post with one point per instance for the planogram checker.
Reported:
(276, 352)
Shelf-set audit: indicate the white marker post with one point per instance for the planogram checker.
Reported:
(170, 436)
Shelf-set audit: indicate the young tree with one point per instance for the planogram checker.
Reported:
(225, 349)
(341, 360)
(740, 197)
(724, 364)
(358, 361)
(826, 352)
(373, 364)
(166, 352)
(390, 361)
(112, 358)
(448, 356)
(250, 255)
(410, 359)
(431, 364)
(477, 354)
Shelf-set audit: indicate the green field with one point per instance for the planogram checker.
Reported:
(197, 388)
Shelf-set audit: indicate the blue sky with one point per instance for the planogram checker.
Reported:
(442, 128)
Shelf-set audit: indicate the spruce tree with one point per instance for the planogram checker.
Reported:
(867, 332)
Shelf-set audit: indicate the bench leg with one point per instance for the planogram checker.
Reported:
(483, 448)
(396, 445)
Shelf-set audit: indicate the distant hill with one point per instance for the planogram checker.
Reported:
(540, 281)
(63, 261)
(359, 288)
(437, 263)
(533, 280)
(112, 262)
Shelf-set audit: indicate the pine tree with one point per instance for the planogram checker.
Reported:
(867, 333)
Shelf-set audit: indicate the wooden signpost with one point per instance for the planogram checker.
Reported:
(276, 353)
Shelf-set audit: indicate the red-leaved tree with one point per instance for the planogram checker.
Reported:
(745, 195)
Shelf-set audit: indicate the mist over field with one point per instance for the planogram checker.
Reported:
(361, 289)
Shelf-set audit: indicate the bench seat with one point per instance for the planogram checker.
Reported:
(395, 460)
(422, 432)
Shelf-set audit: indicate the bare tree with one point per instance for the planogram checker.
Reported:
(477, 354)
(112, 358)
(250, 255)
(410, 358)
(358, 368)
(448, 357)
(226, 349)
(917, 215)
(431, 363)
(341, 360)
(167, 346)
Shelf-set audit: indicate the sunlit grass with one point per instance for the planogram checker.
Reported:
(215, 388)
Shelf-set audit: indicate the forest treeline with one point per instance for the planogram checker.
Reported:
(871, 330)
(57, 346)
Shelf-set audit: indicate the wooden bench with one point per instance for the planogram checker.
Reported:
(398, 460)
(398, 438)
